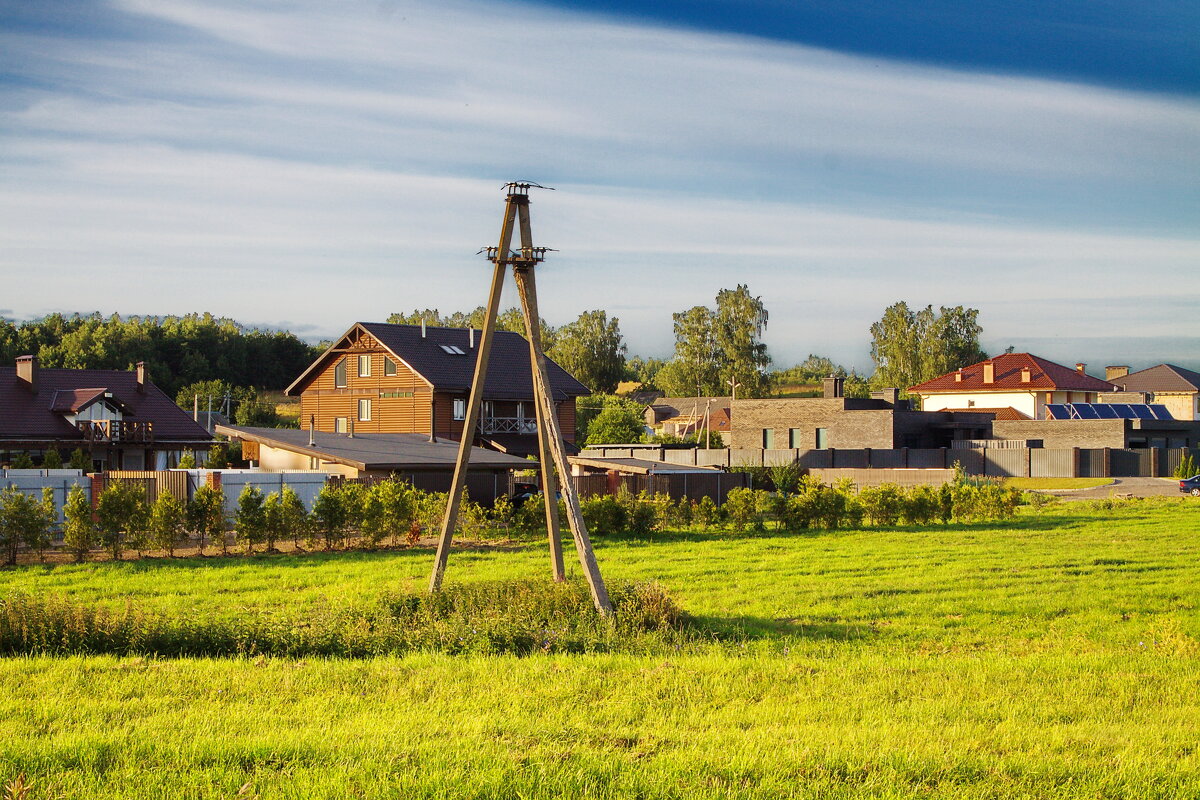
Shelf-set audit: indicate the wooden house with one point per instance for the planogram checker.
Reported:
(380, 378)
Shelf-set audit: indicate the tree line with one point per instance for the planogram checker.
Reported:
(177, 350)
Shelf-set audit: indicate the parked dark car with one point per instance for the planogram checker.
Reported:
(1191, 485)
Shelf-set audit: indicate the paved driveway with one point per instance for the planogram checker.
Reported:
(1128, 487)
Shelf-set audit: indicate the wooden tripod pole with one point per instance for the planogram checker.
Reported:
(476, 397)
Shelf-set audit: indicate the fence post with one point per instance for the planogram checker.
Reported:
(1106, 463)
(1155, 453)
(1028, 462)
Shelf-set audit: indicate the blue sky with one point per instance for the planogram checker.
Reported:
(309, 164)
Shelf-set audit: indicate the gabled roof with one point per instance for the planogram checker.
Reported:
(1007, 413)
(509, 373)
(1160, 378)
(376, 451)
(1043, 376)
(28, 416)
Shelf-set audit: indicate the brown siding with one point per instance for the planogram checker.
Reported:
(566, 419)
(325, 401)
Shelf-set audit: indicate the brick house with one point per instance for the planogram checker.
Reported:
(1165, 384)
(380, 378)
(1023, 382)
(119, 417)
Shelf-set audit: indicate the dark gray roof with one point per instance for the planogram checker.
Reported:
(376, 451)
(509, 374)
(639, 466)
(1160, 378)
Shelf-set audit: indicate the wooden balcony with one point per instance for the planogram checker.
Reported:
(113, 431)
(527, 425)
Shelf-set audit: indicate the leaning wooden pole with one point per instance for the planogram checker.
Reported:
(475, 400)
(527, 289)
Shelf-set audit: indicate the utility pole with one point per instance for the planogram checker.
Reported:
(551, 452)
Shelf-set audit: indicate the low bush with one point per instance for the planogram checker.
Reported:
(517, 617)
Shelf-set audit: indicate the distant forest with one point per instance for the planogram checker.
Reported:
(178, 351)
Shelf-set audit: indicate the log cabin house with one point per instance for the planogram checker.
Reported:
(381, 378)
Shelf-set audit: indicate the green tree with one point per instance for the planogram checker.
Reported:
(187, 460)
(168, 522)
(592, 349)
(293, 517)
(910, 347)
(22, 461)
(250, 519)
(329, 515)
(206, 516)
(619, 421)
(695, 368)
(119, 511)
(390, 510)
(739, 323)
(218, 456)
(644, 370)
(23, 521)
(79, 530)
(80, 460)
(52, 459)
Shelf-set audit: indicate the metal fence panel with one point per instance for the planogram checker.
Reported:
(924, 458)
(687, 457)
(1125, 464)
(1052, 463)
(1004, 463)
(815, 459)
(887, 459)
(745, 457)
(773, 458)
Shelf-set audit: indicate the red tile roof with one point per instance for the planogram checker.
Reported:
(1005, 413)
(72, 401)
(1043, 376)
(28, 416)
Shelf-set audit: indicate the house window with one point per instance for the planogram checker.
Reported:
(364, 410)
(389, 366)
(768, 438)
(460, 408)
(341, 425)
(364, 365)
(822, 439)
(795, 438)
(339, 374)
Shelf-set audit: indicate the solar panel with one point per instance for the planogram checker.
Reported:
(1085, 411)
(1141, 411)
(1058, 411)
(1160, 412)
(1105, 411)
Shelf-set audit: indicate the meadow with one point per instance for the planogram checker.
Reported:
(1054, 655)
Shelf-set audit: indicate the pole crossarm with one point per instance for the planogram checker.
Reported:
(551, 450)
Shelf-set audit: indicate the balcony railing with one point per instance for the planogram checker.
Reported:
(507, 425)
(115, 430)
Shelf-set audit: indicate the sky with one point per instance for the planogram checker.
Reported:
(305, 165)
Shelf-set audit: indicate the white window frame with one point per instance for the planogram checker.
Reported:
(341, 425)
(364, 365)
(459, 409)
(364, 404)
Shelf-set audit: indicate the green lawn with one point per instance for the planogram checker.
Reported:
(1054, 656)
(1057, 483)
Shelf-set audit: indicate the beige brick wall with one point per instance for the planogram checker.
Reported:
(1064, 433)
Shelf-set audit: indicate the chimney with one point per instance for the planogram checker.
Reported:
(834, 387)
(1112, 373)
(422, 327)
(989, 372)
(1080, 367)
(1026, 375)
(890, 396)
(350, 429)
(958, 375)
(472, 338)
(141, 376)
(312, 429)
(27, 370)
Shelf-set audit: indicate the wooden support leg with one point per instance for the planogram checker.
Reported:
(476, 398)
(583, 544)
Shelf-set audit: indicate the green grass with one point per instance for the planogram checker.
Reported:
(1057, 483)
(1053, 656)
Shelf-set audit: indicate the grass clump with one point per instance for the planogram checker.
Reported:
(482, 618)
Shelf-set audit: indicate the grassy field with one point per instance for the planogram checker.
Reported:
(1054, 656)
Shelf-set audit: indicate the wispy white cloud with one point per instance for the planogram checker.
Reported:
(336, 162)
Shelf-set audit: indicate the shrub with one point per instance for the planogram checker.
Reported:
(328, 516)
(390, 507)
(23, 521)
(707, 513)
(883, 504)
(206, 515)
(52, 459)
(604, 515)
(250, 519)
(79, 531)
(292, 518)
(1187, 466)
(122, 514)
(920, 505)
(80, 460)
(168, 522)
(741, 508)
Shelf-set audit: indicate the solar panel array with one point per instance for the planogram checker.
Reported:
(1107, 411)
